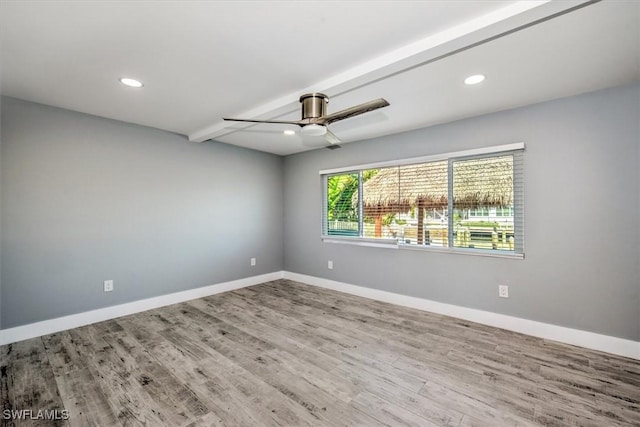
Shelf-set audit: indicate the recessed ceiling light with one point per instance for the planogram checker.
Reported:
(130, 82)
(289, 132)
(475, 79)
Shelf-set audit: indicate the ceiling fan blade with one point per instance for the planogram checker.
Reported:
(285, 122)
(331, 138)
(352, 111)
(251, 129)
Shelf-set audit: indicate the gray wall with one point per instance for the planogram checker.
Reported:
(86, 199)
(582, 209)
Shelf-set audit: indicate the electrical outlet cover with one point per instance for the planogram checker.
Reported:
(503, 291)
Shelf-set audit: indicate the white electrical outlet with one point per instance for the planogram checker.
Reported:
(253, 262)
(330, 265)
(108, 285)
(503, 291)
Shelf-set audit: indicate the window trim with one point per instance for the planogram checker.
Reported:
(425, 159)
(393, 244)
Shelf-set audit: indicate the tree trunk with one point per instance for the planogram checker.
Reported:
(378, 230)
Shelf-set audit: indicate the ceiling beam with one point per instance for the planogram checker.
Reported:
(483, 29)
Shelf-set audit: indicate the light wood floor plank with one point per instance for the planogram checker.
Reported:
(387, 412)
(28, 384)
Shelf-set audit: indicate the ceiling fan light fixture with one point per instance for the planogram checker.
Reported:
(475, 79)
(314, 130)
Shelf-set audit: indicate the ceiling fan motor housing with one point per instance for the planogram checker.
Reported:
(314, 105)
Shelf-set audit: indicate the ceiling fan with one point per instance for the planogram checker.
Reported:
(315, 119)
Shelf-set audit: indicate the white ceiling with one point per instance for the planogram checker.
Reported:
(201, 61)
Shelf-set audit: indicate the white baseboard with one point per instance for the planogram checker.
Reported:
(562, 334)
(45, 327)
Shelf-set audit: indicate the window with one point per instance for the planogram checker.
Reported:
(465, 202)
(342, 205)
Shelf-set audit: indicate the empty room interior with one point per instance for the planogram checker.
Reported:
(320, 213)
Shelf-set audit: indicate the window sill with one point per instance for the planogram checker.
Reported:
(392, 244)
(359, 241)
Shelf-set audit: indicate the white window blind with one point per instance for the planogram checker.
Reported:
(468, 203)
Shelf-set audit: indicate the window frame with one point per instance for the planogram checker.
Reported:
(506, 149)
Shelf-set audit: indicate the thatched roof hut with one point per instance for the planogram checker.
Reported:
(483, 182)
(399, 189)
(477, 183)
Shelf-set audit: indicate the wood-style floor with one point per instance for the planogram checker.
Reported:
(283, 353)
